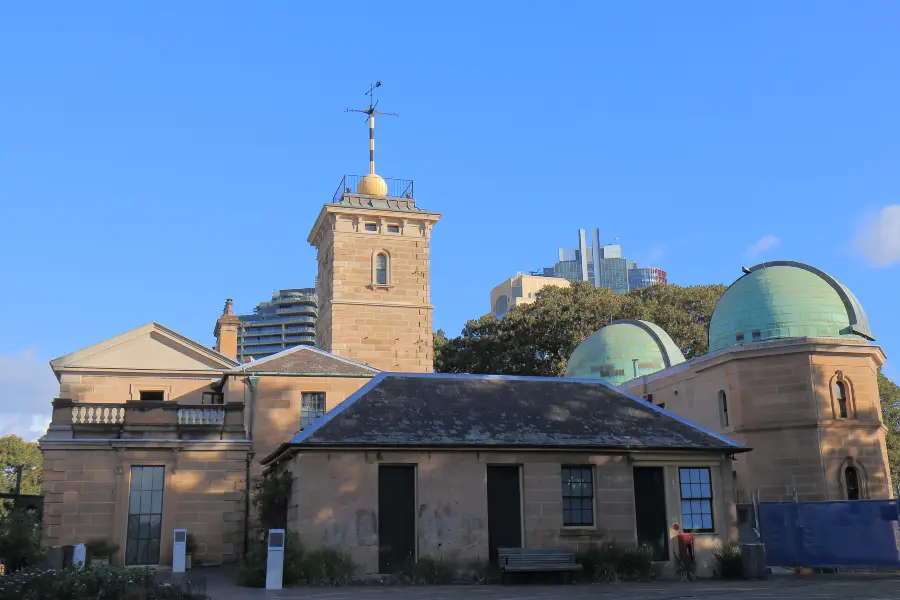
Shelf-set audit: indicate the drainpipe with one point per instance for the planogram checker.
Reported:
(251, 383)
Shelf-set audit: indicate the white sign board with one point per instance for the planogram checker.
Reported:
(275, 559)
(178, 549)
(79, 556)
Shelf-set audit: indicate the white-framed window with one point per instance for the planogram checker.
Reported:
(578, 495)
(312, 406)
(696, 499)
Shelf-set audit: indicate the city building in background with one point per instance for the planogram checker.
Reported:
(520, 290)
(288, 320)
(602, 265)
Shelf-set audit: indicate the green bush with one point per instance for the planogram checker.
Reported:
(108, 583)
(20, 540)
(728, 561)
(327, 567)
(613, 562)
(319, 567)
(425, 571)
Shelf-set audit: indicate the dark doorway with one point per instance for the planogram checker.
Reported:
(396, 516)
(504, 509)
(650, 510)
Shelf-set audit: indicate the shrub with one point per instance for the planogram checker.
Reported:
(327, 567)
(20, 540)
(109, 583)
(425, 571)
(728, 561)
(613, 561)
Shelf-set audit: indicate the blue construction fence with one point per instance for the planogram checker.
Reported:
(839, 534)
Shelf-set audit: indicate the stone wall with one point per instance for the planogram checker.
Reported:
(334, 500)
(387, 326)
(780, 400)
(86, 492)
(119, 388)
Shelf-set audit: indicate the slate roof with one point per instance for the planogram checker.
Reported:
(443, 410)
(306, 360)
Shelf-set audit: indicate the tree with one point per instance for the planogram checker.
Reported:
(890, 410)
(538, 338)
(14, 451)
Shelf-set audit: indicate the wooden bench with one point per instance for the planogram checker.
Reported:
(537, 560)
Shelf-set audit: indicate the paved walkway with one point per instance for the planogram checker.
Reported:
(817, 587)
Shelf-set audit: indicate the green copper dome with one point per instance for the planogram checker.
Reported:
(785, 299)
(622, 351)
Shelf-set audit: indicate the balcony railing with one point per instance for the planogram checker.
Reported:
(396, 188)
(146, 419)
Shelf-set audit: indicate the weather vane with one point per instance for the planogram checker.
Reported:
(371, 112)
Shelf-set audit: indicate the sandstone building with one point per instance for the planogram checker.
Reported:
(791, 372)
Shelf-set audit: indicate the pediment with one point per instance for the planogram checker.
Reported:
(151, 347)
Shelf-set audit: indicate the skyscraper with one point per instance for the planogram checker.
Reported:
(603, 266)
(288, 320)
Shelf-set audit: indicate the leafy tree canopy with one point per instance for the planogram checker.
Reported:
(890, 409)
(538, 338)
(15, 451)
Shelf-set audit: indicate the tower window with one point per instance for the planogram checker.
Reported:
(371, 227)
(393, 228)
(153, 395)
(851, 479)
(723, 408)
(756, 335)
(381, 269)
(739, 337)
(840, 396)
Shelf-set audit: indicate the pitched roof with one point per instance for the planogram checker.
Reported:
(306, 360)
(130, 349)
(434, 410)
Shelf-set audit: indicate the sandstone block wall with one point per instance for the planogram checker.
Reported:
(117, 389)
(781, 403)
(334, 501)
(387, 326)
(86, 494)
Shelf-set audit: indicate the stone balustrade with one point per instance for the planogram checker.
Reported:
(149, 419)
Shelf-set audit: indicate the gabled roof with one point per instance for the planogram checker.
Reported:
(448, 410)
(306, 360)
(150, 347)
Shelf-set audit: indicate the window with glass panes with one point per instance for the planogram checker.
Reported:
(144, 515)
(312, 406)
(578, 496)
(696, 499)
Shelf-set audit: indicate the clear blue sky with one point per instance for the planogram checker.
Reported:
(156, 158)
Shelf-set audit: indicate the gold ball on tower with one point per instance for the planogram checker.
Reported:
(372, 185)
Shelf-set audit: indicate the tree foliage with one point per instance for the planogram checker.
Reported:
(890, 410)
(14, 451)
(538, 338)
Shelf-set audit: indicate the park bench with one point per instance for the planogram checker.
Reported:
(537, 560)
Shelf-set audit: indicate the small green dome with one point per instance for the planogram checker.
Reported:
(622, 351)
(785, 299)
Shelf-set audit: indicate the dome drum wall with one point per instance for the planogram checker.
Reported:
(623, 350)
(784, 299)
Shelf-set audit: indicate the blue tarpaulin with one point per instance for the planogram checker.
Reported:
(857, 533)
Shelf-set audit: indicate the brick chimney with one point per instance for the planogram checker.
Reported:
(226, 331)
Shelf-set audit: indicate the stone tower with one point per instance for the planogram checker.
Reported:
(374, 277)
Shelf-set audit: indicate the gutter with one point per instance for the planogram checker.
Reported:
(295, 374)
(251, 382)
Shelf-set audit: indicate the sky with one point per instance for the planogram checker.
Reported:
(157, 158)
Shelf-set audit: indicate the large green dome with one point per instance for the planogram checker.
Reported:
(622, 351)
(785, 299)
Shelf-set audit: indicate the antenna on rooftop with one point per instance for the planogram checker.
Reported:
(371, 112)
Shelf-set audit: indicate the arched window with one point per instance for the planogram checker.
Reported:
(851, 480)
(381, 269)
(840, 397)
(723, 409)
